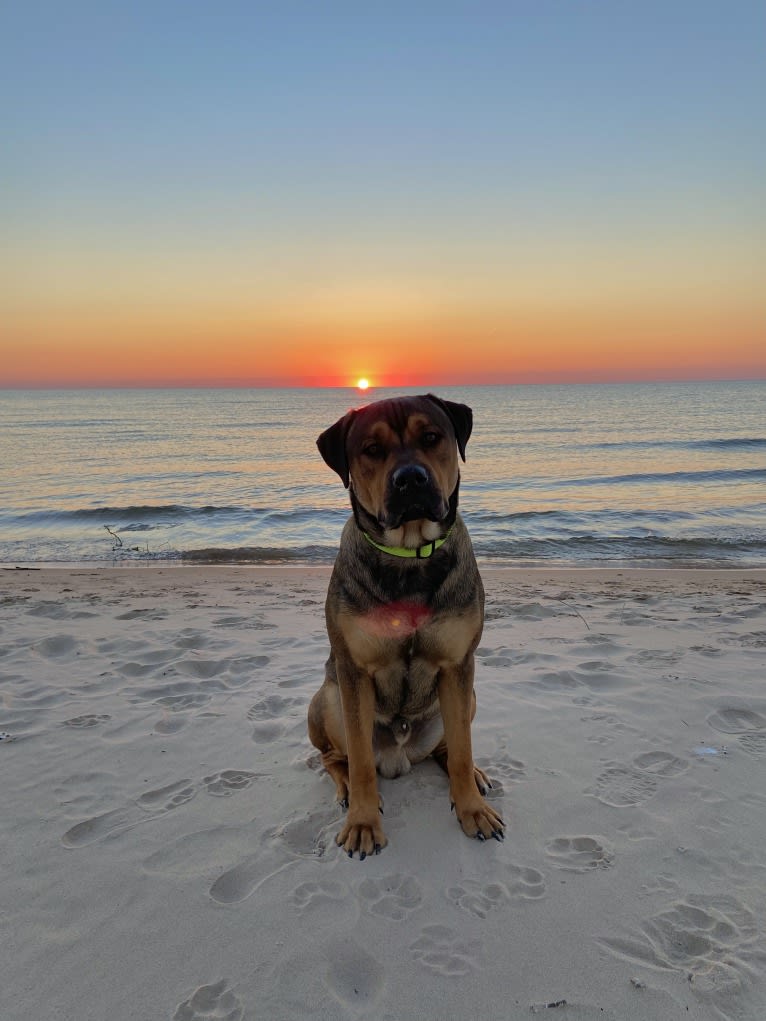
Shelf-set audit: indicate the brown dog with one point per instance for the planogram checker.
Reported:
(404, 612)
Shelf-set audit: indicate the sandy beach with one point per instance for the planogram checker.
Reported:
(168, 833)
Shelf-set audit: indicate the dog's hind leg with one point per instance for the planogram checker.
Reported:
(327, 733)
(338, 770)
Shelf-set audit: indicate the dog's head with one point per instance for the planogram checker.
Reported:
(398, 457)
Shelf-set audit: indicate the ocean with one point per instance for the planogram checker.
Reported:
(650, 474)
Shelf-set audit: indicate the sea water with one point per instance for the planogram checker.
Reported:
(650, 473)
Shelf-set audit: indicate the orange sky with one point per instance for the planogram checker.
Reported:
(170, 350)
(102, 321)
(578, 303)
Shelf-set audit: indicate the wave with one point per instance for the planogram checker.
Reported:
(727, 443)
(582, 548)
(259, 554)
(639, 478)
(552, 518)
(141, 517)
(574, 549)
(139, 512)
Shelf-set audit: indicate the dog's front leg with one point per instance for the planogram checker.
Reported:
(362, 830)
(476, 817)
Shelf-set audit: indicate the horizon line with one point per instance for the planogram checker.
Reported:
(298, 385)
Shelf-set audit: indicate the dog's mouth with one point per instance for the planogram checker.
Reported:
(414, 512)
(398, 513)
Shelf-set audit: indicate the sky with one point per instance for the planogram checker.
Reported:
(416, 193)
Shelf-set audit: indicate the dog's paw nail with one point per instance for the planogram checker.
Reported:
(482, 790)
(480, 836)
(362, 855)
(498, 835)
(380, 809)
(351, 854)
(452, 806)
(377, 849)
(489, 784)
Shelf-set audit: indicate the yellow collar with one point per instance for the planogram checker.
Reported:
(421, 553)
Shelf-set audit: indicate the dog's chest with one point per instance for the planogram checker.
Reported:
(406, 685)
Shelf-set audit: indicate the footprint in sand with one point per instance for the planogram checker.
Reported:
(272, 706)
(110, 824)
(57, 646)
(170, 723)
(179, 703)
(268, 716)
(661, 764)
(707, 939)
(393, 896)
(711, 651)
(309, 835)
(477, 898)
(737, 721)
(623, 786)
(202, 853)
(525, 883)
(306, 837)
(522, 883)
(242, 881)
(747, 724)
(355, 977)
(439, 948)
(227, 782)
(202, 669)
(166, 798)
(192, 638)
(83, 722)
(319, 893)
(579, 854)
(215, 1002)
(150, 805)
(501, 657)
(502, 772)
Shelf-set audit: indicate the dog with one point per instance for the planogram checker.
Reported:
(404, 613)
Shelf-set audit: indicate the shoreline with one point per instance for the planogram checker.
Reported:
(484, 569)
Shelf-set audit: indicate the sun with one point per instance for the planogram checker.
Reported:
(362, 384)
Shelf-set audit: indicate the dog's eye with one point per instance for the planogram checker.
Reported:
(430, 439)
(373, 450)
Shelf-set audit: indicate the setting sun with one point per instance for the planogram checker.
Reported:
(362, 384)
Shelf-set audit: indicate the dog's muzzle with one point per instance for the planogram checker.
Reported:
(411, 495)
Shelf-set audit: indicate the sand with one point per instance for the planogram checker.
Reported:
(167, 843)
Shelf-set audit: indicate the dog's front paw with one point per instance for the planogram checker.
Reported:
(483, 782)
(362, 835)
(480, 820)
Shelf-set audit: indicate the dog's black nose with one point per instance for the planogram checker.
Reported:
(410, 476)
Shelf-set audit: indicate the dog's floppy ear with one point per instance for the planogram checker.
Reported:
(332, 446)
(461, 417)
